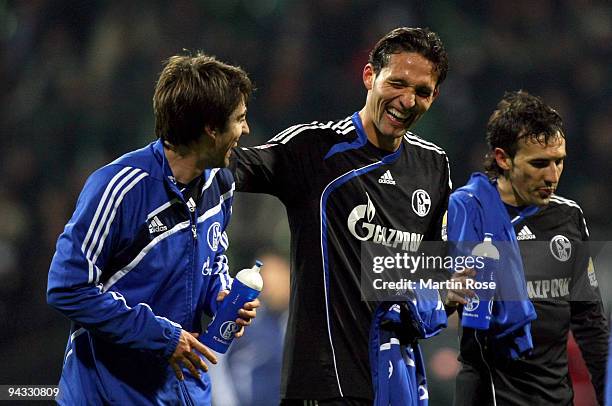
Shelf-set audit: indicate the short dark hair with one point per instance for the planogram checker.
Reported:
(405, 39)
(519, 115)
(196, 91)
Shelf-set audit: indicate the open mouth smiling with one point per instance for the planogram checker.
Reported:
(395, 114)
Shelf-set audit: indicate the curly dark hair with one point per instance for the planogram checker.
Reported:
(519, 115)
(196, 91)
(405, 39)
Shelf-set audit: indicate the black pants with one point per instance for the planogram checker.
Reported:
(473, 387)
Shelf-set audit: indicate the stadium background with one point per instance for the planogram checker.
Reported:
(78, 77)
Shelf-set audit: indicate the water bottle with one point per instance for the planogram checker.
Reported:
(477, 312)
(246, 287)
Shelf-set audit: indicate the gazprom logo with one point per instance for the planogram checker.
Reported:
(228, 329)
(360, 225)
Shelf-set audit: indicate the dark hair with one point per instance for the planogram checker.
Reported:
(404, 39)
(196, 91)
(519, 115)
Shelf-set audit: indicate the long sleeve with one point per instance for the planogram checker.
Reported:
(218, 269)
(463, 221)
(461, 230)
(590, 329)
(89, 240)
(221, 278)
(588, 321)
(283, 167)
(264, 169)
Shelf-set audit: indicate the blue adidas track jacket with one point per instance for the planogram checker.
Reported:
(135, 263)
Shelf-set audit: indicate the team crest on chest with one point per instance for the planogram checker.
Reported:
(561, 247)
(214, 235)
(421, 202)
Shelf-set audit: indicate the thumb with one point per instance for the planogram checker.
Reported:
(222, 294)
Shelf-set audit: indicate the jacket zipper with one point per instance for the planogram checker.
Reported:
(194, 221)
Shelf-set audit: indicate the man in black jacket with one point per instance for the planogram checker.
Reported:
(364, 178)
(525, 161)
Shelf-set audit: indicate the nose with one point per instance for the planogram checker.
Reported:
(245, 128)
(407, 99)
(553, 173)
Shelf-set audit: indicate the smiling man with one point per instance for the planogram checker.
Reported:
(364, 178)
(517, 205)
(137, 264)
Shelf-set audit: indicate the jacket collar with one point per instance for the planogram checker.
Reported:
(166, 171)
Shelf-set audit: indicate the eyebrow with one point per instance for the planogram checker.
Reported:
(405, 83)
(543, 159)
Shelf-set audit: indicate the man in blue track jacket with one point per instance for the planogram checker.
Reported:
(143, 254)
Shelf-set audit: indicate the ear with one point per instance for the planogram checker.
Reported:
(503, 159)
(209, 131)
(436, 92)
(368, 76)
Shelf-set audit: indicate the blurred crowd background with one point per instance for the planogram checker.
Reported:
(78, 79)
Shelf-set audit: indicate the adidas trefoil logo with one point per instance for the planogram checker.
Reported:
(156, 226)
(386, 178)
(525, 234)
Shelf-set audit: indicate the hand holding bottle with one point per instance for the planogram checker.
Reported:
(225, 326)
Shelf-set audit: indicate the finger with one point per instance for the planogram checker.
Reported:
(243, 322)
(247, 314)
(252, 305)
(177, 370)
(462, 277)
(197, 362)
(460, 285)
(467, 271)
(222, 294)
(186, 361)
(240, 332)
(464, 293)
(196, 335)
(202, 349)
(453, 297)
(464, 290)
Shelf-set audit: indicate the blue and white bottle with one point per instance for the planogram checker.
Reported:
(246, 286)
(477, 312)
